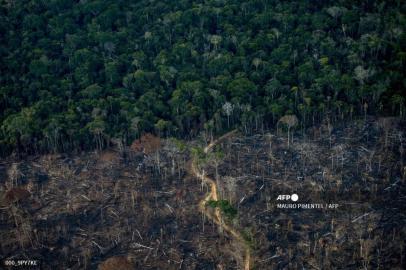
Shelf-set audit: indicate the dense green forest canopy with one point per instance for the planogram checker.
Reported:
(78, 74)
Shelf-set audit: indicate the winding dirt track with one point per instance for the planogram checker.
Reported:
(213, 195)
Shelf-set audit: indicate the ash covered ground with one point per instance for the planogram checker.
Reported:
(359, 165)
(109, 209)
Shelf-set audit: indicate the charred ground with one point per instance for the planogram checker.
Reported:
(78, 211)
(85, 209)
(358, 165)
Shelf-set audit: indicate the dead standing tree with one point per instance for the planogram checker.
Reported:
(387, 124)
(15, 175)
(148, 144)
(289, 121)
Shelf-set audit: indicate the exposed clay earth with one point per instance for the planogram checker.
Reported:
(127, 210)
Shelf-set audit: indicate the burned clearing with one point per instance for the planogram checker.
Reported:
(100, 210)
(357, 165)
(138, 208)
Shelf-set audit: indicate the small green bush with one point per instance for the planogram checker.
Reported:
(225, 206)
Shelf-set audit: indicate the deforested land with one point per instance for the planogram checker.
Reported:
(142, 209)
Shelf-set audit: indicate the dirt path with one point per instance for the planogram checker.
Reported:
(213, 195)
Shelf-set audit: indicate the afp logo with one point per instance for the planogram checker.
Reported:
(293, 197)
